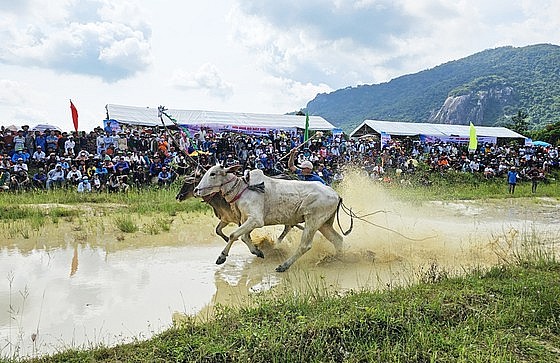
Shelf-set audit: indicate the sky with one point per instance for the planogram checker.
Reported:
(266, 56)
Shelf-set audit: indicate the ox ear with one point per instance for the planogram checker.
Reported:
(233, 168)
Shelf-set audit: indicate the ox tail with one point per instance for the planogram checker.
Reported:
(347, 211)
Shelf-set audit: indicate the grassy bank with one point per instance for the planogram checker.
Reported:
(453, 185)
(505, 314)
(509, 313)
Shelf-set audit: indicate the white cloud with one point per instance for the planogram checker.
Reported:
(245, 56)
(106, 49)
(206, 78)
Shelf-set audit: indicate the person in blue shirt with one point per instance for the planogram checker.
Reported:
(512, 179)
(21, 154)
(305, 170)
(164, 177)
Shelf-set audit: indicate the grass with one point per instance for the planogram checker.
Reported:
(507, 313)
(426, 185)
(23, 214)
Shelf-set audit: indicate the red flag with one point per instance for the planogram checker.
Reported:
(74, 115)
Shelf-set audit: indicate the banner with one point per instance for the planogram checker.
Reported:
(385, 138)
(457, 139)
(473, 144)
(74, 115)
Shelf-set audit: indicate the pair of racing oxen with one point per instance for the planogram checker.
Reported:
(256, 200)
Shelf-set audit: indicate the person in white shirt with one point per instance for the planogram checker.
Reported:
(84, 186)
(74, 175)
(69, 145)
(55, 176)
(38, 156)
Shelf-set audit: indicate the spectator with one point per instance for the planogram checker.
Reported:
(84, 186)
(165, 177)
(52, 141)
(4, 178)
(39, 156)
(74, 176)
(55, 177)
(21, 154)
(19, 141)
(40, 179)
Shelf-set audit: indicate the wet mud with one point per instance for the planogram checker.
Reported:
(82, 282)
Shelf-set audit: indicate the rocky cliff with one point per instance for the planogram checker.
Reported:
(478, 107)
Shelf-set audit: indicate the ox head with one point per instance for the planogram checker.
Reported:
(214, 179)
(187, 190)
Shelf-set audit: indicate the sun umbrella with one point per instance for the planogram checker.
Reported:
(541, 143)
(43, 127)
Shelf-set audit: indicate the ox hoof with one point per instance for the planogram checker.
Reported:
(221, 260)
(281, 268)
(259, 253)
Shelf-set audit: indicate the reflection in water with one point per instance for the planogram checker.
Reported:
(74, 265)
(129, 286)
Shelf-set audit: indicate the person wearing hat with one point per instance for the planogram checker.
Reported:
(39, 156)
(21, 154)
(55, 176)
(305, 170)
(19, 141)
(512, 179)
(165, 177)
(40, 179)
(20, 166)
(84, 186)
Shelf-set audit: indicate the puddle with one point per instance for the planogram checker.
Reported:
(82, 282)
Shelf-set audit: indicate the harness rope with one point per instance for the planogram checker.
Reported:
(353, 215)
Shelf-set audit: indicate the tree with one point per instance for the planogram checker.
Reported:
(520, 123)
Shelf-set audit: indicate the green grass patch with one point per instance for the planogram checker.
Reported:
(125, 223)
(504, 314)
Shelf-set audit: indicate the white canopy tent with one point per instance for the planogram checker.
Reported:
(240, 122)
(436, 130)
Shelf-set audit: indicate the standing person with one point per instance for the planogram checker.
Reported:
(305, 170)
(535, 174)
(512, 179)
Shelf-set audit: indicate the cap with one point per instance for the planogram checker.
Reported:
(306, 164)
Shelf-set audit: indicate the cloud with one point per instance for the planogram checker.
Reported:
(206, 78)
(344, 43)
(88, 37)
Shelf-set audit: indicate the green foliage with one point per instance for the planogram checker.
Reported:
(532, 72)
(126, 224)
(505, 314)
(519, 122)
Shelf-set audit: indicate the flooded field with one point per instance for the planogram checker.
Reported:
(82, 282)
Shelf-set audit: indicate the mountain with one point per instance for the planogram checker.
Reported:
(486, 88)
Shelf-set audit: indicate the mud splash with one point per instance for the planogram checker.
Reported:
(82, 282)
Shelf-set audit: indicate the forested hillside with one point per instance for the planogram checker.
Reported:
(487, 88)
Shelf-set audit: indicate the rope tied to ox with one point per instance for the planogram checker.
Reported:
(352, 215)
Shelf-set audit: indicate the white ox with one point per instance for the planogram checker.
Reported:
(286, 202)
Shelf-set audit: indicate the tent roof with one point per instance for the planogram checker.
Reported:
(413, 129)
(146, 116)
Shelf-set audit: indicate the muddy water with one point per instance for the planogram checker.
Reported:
(82, 282)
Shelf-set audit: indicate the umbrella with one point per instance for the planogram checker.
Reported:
(13, 128)
(541, 143)
(43, 127)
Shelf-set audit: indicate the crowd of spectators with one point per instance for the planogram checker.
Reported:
(116, 160)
